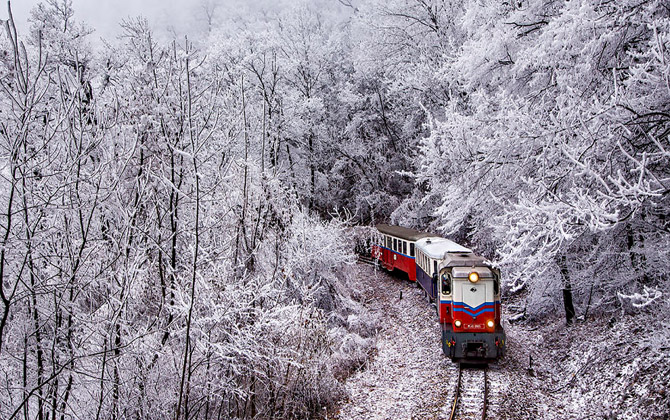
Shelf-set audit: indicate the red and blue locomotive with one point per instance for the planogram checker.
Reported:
(465, 289)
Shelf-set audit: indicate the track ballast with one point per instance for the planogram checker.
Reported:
(470, 395)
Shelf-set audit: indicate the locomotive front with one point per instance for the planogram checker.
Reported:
(470, 302)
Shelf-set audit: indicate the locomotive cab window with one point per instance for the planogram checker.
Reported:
(411, 249)
(446, 283)
(404, 247)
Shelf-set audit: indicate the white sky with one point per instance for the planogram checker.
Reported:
(105, 15)
(166, 17)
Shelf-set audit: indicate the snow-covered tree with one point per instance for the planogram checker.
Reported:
(555, 155)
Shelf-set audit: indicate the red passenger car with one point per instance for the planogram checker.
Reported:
(395, 248)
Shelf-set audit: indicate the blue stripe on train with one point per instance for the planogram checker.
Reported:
(449, 302)
(396, 252)
(474, 314)
(474, 308)
(473, 311)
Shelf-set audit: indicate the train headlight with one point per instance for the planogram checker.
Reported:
(473, 277)
(490, 324)
(457, 323)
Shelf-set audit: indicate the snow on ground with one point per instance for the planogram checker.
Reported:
(408, 377)
(600, 369)
(592, 370)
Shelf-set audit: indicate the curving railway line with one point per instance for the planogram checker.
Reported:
(471, 391)
(470, 396)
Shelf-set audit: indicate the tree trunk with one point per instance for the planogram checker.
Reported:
(637, 257)
(186, 371)
(312, 171)
(567, 289)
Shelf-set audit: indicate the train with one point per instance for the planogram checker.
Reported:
(464, 287)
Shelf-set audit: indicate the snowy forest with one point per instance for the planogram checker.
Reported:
(179, 213)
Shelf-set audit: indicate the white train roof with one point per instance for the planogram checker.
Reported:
(484, 272)
(464, 264)
(402, 232)
(435, 247)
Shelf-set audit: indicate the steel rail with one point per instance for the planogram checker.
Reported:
(457, 394)
(486, 392)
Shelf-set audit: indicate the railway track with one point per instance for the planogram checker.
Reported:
(363, 259)
(471, 394)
